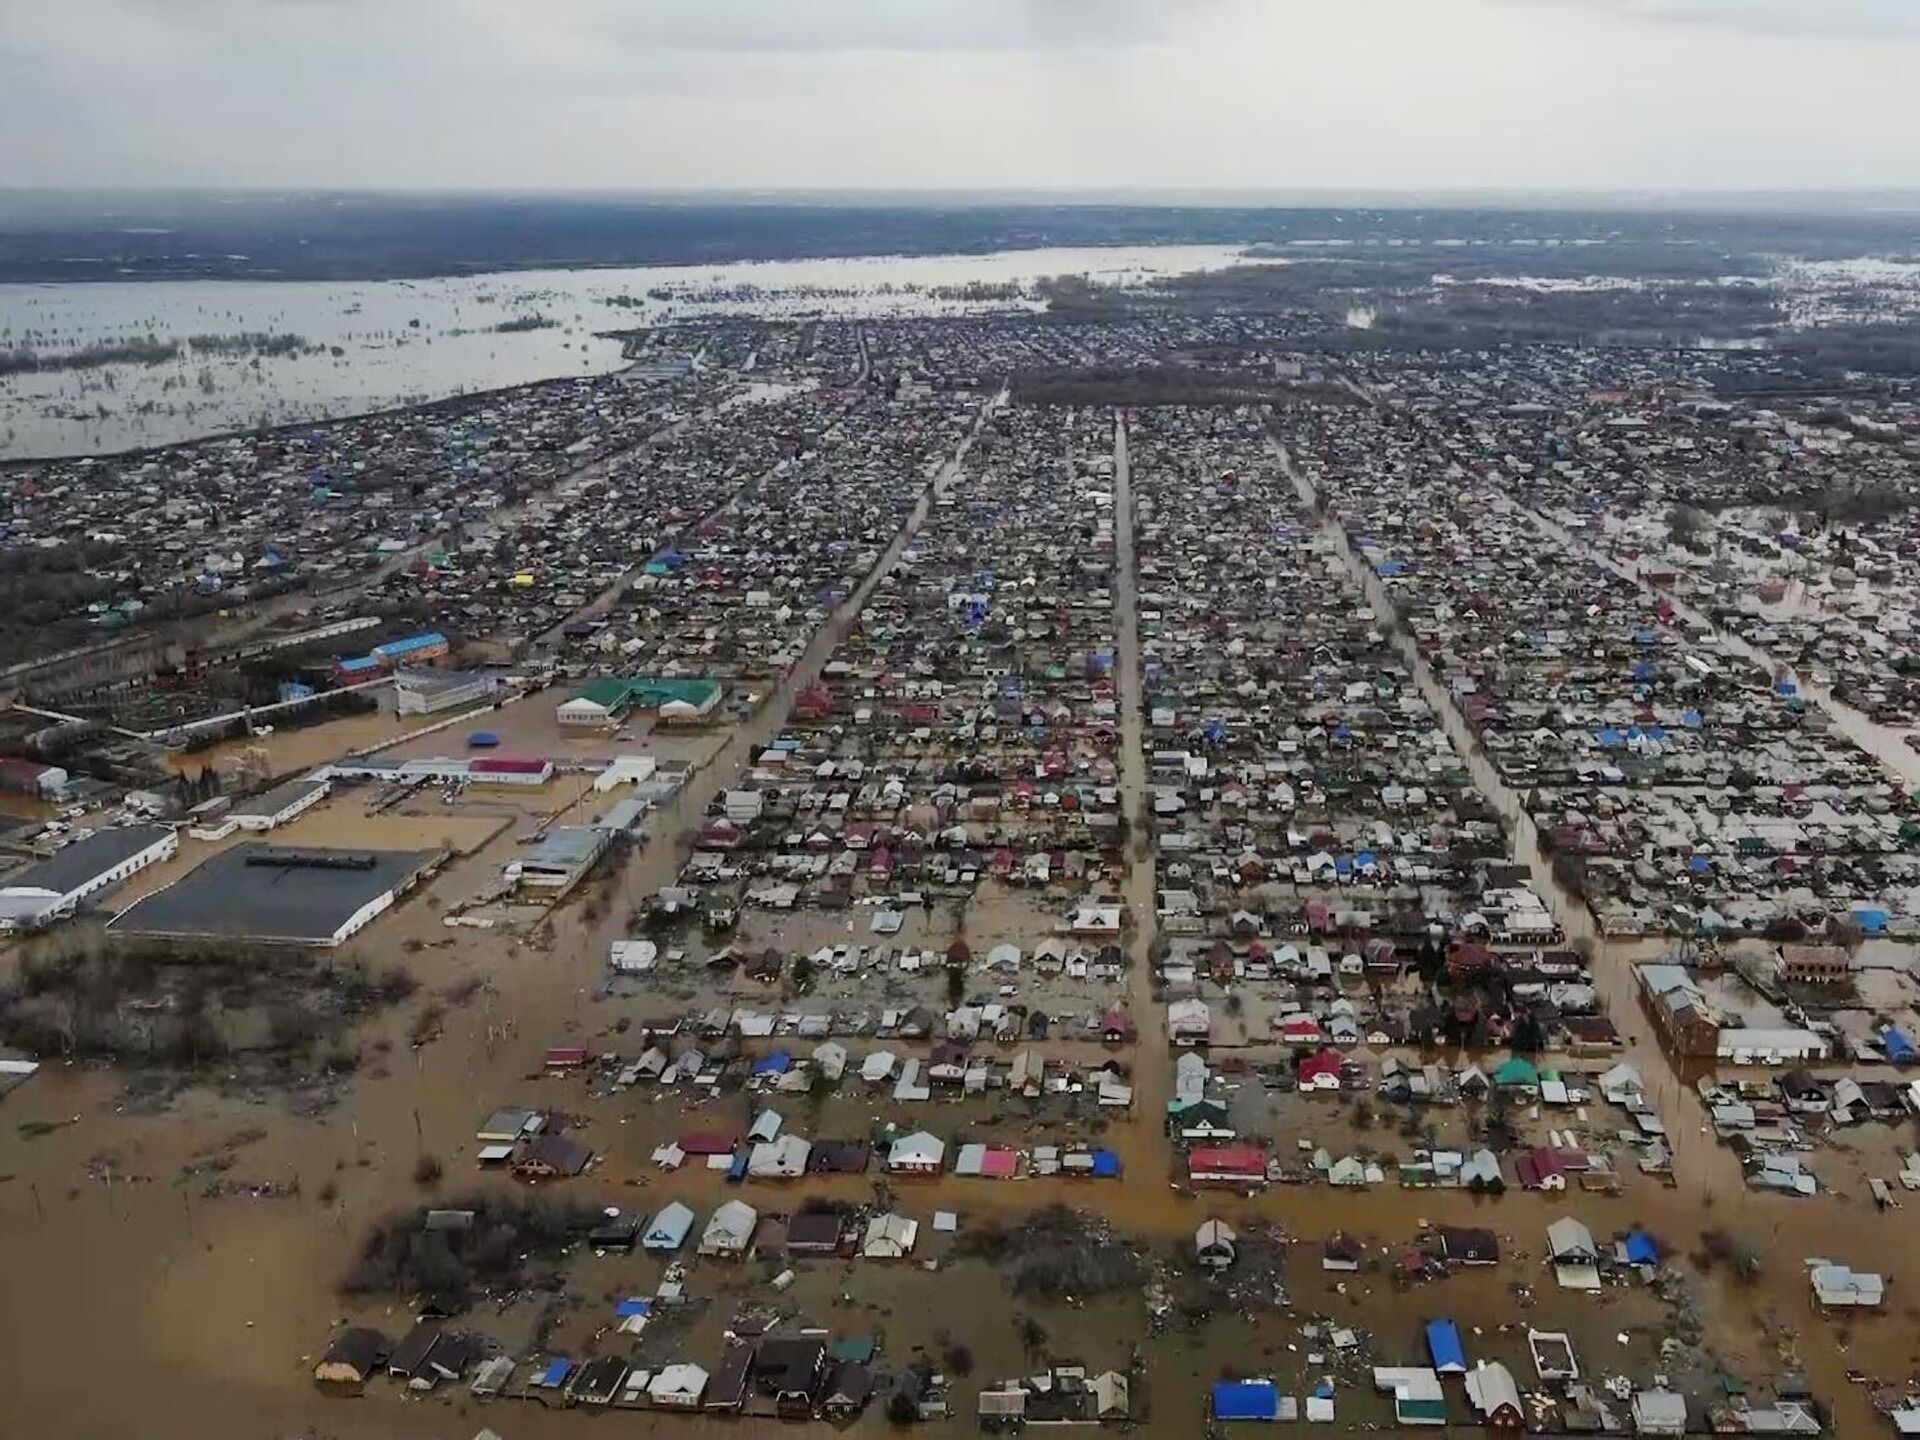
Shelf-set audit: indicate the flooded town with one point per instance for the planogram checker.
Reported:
(1191, 844)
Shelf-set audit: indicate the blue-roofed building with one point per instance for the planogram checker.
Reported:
(778, 1063)
(357, 667)
(1245, 1400)
(1444, 1349)
(414, 649)
(1106, 1164)
(1899, 1048)
(1640, 1248)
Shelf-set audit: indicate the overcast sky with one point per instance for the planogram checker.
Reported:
(1410, 94)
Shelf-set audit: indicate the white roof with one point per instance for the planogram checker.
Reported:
(678, 1380)
(1567, 1236)
(1490, 1385)
(917, 1148)
(731, 1227)
(890, 1235)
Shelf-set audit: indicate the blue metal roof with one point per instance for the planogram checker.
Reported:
(407, 644)
(1443, 1346)
(1245, 1400)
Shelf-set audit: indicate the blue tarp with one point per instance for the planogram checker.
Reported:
(1699, 864)
(1898, 1047)
(1607, 737)
(556, 1372)
(778, 1063)
(1872, 919)
(1691, 719)
(1643, 669)
(1645, 637)
(1444, 1349)
(1245, 1400)
(1785, 687)
(1640, 1248)
(1106, 1164)
(483, 739)
(632, 1306)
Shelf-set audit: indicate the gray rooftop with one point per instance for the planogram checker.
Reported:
(274, 893)
(69, 869)
(273, 801)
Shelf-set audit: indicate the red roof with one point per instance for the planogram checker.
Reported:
(1000, 1162)
(1325, 1063)
(1247, 1160)
(561, 1055)
(706, 1142)
(506, 765)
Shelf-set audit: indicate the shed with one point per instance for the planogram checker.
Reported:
(352, 1357)
(1659, 1412)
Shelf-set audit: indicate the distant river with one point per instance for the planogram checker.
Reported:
(410, 341)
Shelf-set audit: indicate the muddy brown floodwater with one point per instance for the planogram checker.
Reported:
(136, 1303)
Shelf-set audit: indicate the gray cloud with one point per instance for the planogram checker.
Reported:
(1357, 94)
(1833, 18)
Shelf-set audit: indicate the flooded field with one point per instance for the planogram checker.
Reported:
(375, 344)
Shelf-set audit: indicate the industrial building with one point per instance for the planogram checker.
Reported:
(53, 888)
(30, 777)
(276, 895)
(490, 770)
(560, 857)
(277, 806)
(607, 702)
(391, 655)
(428, 692)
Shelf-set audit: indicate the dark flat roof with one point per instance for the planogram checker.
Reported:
(70, 868)
(256, 891)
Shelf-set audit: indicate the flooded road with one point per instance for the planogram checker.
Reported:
(1708, 1187)
(215, 1306)
(1152, 1152)
(1886, 745)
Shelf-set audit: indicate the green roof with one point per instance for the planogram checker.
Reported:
(1516, 1071)
(647, 692)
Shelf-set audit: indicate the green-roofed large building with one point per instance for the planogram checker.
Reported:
(608, 701)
